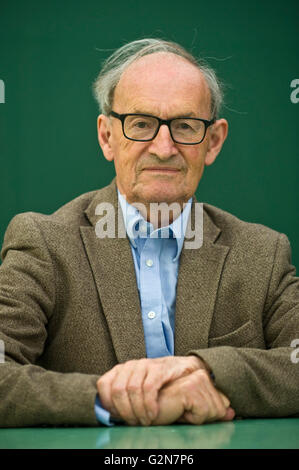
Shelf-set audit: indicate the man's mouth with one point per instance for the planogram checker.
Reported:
(159, 169)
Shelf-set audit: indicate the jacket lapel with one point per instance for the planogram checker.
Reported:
(198, 281)
(113, 269)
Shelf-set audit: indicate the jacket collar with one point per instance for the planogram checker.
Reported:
(109, 195)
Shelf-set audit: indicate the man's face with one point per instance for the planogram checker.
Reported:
(166, 86)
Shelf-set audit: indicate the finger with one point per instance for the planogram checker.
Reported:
(202, 399)
(136, 393)
(161, 372)
(229, 415)
(218, 401)
(223, 404)
(191, 418)
(153, 383)
(200, 408)
(197, 402)
(120, 397)
(147, 379)
(104, 389)
(164, 370)
(215, 407)
(224, 398)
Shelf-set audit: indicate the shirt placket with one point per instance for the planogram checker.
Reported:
(151, 298)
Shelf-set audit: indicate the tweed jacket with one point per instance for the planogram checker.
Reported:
(70, 311)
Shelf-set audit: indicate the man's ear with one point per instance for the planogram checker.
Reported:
(104, 136)
(218, 132)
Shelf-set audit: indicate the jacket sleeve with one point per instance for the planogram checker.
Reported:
(265, 383)
(29, 394)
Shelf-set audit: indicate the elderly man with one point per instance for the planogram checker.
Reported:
(140, 328)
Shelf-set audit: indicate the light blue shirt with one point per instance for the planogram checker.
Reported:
(156, 254)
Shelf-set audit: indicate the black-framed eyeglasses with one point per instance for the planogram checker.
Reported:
(144, 127)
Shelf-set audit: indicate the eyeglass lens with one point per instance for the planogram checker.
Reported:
(183, 130)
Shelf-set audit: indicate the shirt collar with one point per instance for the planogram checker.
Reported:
(132, 217)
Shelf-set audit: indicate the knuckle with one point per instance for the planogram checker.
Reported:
(203, 378)
(153, 375)
(133, 388)
(191, 382)
(203, 375)
(102, 379)
(187, 387)
(148, 387)
(141, 363)
(117, 390)
(130, 364)
(116, 368)
(145, 361)
(101, 383)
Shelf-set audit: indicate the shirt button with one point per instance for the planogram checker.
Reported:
(151, 315)
(149, 262)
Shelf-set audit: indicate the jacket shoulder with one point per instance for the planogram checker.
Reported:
(25, 226)
(70, 213)
(235, 231)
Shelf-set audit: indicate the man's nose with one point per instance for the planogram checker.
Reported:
(162, 145)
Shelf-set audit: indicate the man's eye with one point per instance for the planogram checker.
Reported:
(141, 124)
(184, 126)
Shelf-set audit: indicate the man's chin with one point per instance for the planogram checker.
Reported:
(160, 194)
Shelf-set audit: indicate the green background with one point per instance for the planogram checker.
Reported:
(51, 52)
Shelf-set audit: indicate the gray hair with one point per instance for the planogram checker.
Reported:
(115, 65)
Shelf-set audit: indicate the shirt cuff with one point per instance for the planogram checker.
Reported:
(102, 415)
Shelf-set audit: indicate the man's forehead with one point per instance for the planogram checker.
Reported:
(163, 65)
(161, 76)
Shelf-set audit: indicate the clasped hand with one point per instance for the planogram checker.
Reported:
(162, 391)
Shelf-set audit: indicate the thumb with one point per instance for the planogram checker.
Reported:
(229, 416)
(225, 400)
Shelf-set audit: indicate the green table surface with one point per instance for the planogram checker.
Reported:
(239, 434)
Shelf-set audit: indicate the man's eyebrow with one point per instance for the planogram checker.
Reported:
(175, 116)
(191, 114)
